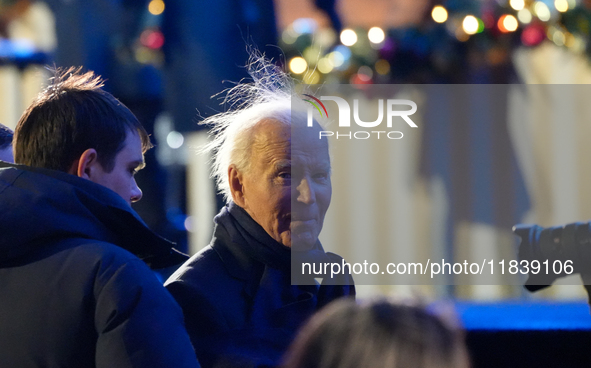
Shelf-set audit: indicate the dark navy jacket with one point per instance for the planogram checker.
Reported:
(240, 307)
(73, 292)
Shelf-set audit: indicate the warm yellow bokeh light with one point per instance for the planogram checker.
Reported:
(156, 7)
(376, 35)
(569, 39)
(517, 4)
(298, 65)
(325, 66)
(382, 67)
(470, 25)
(542, 11)
(312, 78)
(559, 38)
(561, 5)
(510, 23)
(524, 16)
(439, 14)
(348, 37)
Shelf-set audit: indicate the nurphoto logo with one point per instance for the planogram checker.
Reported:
(318, 102)
(393, 115)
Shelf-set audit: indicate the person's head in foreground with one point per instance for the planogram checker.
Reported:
(6, 144)
(269, 162)
(76, 127)
(376, 334)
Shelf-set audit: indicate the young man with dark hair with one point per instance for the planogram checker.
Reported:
(6, 144)
(73, 291)
(75, 127)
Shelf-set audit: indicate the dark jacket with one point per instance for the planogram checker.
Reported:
(240, 307)
(73, 292)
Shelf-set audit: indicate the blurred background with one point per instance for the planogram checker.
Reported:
(462, 184)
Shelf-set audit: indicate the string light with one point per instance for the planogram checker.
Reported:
(325, 65)
(470, 25)
(517, 4)
(312, 77)
(561, 5)
(542, 11)
(507, 23)
(298, 65)
(537, 20)
(569, 40)
(439, 14)
(382, 67)
(524, 16)
(376, 35)
(175, 139)
(558, 38)
(348, 37)
(156, 7)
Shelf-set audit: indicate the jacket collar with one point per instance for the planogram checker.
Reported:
(40, 204)
(244, 246)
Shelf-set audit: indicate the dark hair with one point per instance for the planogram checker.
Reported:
(377, 334)
(70, 116)
(5, 136)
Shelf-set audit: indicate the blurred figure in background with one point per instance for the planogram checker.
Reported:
(29, 20)
(6, 144)
(376, 334)
(27, 39)
(205, 46)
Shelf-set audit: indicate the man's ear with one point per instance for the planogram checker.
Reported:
(235, 180)
(86, 164)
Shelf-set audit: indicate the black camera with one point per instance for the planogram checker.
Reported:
(555, 252)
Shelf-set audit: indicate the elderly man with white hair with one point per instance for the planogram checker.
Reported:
(240, 307)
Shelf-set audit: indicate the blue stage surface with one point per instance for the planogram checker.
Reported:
(524, 315)
(522, 334)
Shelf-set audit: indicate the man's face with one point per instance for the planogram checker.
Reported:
(127, 162)
(279, 170)
(6, 154)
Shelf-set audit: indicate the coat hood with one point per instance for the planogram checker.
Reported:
(38, 206)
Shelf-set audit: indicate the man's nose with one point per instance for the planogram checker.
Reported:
(306, 192)
(136, 193)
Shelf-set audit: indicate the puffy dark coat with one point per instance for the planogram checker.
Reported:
(73, 292)
(240, 307)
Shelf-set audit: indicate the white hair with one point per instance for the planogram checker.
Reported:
(270, 96)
